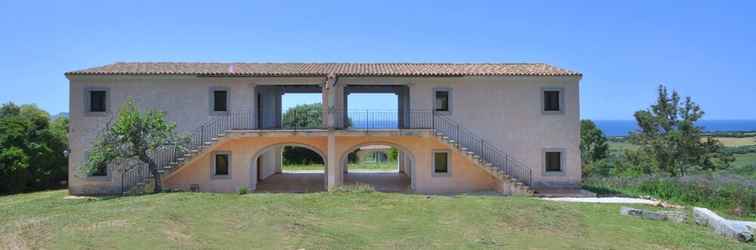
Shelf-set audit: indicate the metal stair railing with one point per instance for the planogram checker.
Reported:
(169, 157)
(484, 149)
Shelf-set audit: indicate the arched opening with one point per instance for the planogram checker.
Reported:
(289, 168)
(384, 166)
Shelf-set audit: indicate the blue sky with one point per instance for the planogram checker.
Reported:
(624, 49)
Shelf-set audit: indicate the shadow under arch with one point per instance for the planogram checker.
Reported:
(253, 166)
(345, 155)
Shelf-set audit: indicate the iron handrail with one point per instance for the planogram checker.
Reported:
(169, 155)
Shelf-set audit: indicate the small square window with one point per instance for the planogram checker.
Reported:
(553, 161)
(220, 100)
(441, 101)
(101, 171)
(221, 164)
(98, 101)
(440, 163)
(551, 100)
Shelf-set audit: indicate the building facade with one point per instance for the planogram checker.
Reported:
(511, 128)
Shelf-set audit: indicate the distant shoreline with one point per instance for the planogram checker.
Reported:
(617, 128)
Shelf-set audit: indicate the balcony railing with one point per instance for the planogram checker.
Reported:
(382, 119)
(348, 120)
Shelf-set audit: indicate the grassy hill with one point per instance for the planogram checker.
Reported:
(340, 220)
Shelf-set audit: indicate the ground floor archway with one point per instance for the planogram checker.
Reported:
(392, 175)
(271, 175)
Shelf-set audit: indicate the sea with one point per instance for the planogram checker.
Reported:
(624, 127)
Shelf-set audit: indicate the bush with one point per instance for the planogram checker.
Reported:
(726, 192)
(294, 155)
(243, 190)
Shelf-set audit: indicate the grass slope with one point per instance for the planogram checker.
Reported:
(341, 220)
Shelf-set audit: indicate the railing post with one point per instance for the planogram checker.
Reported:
(433, 119)
(202, 135)
(459, 138)
(123, 188)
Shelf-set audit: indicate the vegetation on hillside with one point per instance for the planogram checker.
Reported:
(33, 149)
(671, 158)
(353, 218)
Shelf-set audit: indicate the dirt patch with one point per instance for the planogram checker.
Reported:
(13, 242)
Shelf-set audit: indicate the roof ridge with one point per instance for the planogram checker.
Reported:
(327, 63)
(322, 68)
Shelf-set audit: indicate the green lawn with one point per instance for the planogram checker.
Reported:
(340, 220)
(745, 165)
(300, 167)
(388, 166)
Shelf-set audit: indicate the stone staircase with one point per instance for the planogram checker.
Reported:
(517, 187)
(189, 155)
(512, 176)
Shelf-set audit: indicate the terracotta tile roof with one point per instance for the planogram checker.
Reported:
(323, 69)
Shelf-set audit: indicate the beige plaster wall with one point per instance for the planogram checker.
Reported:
(504, 110)
(244, 152)
(184, 99)
(507, 111)
(464, 177)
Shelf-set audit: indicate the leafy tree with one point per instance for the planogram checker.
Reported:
(31, 149)
(393, 154)
(294, 155)
(593, 143)
(668, 134)
(303, 116)
(132, 137)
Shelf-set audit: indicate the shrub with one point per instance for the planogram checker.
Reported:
(728, 192)
(243, 190)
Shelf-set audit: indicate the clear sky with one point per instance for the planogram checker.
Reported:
(623, 48)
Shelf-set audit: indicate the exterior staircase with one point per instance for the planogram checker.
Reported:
(172, 157)
(512, 176)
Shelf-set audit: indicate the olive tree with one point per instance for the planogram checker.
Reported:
(133, 136)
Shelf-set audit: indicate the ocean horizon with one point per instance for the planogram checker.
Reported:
(624, 127)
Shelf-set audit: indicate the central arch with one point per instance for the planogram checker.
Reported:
(302, 178)
(404, 152)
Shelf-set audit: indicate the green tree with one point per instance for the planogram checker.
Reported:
(594, 149)
(303, 116)
(133, 136)
(393, 154)
(593, 143)
(668, 133)
(31, 149)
